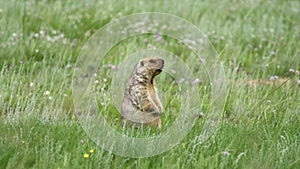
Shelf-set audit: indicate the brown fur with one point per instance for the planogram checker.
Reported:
(141, 104)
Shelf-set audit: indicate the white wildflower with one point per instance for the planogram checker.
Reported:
(273, 78)
(46, 93)
(226, 153)
(292, 70)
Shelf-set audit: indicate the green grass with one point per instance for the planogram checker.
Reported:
(41, 41)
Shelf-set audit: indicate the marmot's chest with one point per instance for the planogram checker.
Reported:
(152, 92)
(144, 89)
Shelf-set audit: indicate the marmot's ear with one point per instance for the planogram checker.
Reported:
(142, 63)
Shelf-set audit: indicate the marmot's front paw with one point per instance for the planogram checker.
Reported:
(146, 106)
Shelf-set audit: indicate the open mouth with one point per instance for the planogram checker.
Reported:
(157, 71)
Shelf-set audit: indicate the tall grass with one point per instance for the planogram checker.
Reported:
(41, 40)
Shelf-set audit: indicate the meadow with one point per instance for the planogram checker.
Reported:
(257, 41)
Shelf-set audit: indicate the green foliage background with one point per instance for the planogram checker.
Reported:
(40, 41)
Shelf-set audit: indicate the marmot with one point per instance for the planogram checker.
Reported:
(141, 104)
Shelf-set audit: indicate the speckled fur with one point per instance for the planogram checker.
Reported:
(141, 104)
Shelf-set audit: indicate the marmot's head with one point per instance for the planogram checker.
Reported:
(151, 66)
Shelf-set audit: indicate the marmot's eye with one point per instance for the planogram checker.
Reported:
(142, 63)
(152, 61)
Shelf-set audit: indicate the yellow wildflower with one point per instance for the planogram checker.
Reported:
(92, 150)
(86, 155)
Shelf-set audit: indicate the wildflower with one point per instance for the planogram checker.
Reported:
(266, 65)
(46, 93)
(96, 81)
(31, 84)
(86, 155)
(113, 67)
(92, 150)
(196, 81)
(273, 53)
(273, 78)
(201, 114)
(48, 38)
(158, 37)
(297, 72)
(42, 32)
(292, 70)
(36, 35)
(81, 141)
(50, 97)
(298, 82)
(23, 142)
(226, 153)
